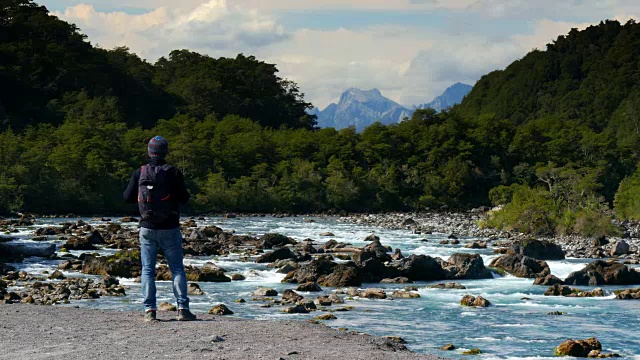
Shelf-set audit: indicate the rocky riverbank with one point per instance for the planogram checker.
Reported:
(45, 332)
(625, 248)
(325, 278)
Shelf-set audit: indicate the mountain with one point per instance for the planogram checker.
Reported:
(361, 108)
(452, 96)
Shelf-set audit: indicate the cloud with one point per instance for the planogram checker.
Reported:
(213, 27)
(409, 63)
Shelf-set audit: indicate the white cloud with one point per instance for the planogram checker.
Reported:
(212, 27)
(409, 64)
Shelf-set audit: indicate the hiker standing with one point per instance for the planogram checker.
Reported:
(159, 189)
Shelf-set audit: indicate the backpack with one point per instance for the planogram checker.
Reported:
(154, 194)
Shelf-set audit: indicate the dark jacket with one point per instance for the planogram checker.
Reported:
(178, 192)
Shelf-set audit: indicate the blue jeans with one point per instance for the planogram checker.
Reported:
(170, 243)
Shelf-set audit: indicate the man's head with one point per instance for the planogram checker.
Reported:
(158, 147)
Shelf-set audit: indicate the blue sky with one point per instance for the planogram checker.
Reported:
(409, 49)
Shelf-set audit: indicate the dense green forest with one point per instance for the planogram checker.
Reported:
(551, 138)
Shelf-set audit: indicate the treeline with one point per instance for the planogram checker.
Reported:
(551, 138)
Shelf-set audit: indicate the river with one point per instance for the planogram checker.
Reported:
(517, 326)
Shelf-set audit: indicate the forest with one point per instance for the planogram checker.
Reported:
(553, 139)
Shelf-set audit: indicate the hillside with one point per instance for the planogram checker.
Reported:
(45, 63)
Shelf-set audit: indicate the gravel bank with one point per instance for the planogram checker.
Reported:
(50, 332)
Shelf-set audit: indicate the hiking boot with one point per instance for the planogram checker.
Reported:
(185, 315)
(150, 316)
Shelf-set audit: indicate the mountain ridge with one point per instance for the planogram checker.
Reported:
(361, 108)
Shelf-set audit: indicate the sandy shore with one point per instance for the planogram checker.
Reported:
(52, 332)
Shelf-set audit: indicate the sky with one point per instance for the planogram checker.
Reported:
(411, 50)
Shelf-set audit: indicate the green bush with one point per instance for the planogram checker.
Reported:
(627, 199)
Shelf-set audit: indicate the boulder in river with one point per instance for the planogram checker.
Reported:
(283, 253)
(309, 286)
(311, 271)
(521, 266)
(124, 263)
(628, 294)
(346, 274)
(475, 301)
(79, 243)
(26, 250)
(269, 241)
(263, 291)
(577, 348)
(448, 285)
(373, 293)
(602, 272)
(194, 289)
(548, 280)
(538, 249)
(420, 268)
(220, 309)
(466, 266)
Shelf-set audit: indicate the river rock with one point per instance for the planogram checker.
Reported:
(238, 277)
(620, 248)
(602, 272)
(57, 275)
(125, 263)
(346, 274)
(79, 243)
(309, 286)
(278, 254)
(326, 317)
(538, 249)
(548, 280)
(397, 255)
(373, 293)
(220, 309)
(95, 238)
(628, 294)
(269, 241)
(558, 290)
(448, 347)
(420, 268)
(577, 348)
(297, 309)
(466, 266)
(165, 306)
(263, 291)
(194, 289)
(327, 233)
(448, 285)
(521, 266)
(402, 294)
(285, 266)
(470, 300)
(291, 297)
(476, 245)
(26, 250)
(311, 271)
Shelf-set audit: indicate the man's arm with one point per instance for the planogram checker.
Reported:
(180, 192)
(130, 194)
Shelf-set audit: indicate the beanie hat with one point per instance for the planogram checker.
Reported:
(158, 147)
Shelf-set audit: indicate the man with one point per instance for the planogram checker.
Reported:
(159, 188)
